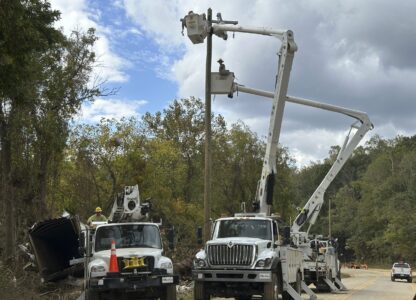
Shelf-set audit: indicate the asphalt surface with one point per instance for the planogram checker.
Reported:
(372, 284)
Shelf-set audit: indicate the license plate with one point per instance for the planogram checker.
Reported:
(133, 262)
(167, 279)
(265, 276)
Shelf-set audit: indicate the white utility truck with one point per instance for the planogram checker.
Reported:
(142, 271)
(322, 269)
(250, 254)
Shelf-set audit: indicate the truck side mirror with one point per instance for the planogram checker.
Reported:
(171, 238)
(199, 235)
(81, 244)
(286, 235)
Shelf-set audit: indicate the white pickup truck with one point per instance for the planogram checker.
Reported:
(401, 270)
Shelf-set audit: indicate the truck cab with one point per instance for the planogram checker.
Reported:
(142, 268)
(247, 256)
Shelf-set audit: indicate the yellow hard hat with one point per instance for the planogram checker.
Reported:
(98, 209)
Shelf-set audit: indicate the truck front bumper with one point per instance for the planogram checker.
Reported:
(131, 282)
(401, 276)
(213, 275)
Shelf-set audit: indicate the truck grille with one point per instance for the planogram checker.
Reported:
(234, 254)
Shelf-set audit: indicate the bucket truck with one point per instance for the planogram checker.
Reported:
(250, 253)
(142, 271)
(322, 270)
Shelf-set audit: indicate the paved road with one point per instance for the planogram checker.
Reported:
(372, 285)
(366, 285)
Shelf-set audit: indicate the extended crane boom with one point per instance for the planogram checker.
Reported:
(312, 208)
(363, 124)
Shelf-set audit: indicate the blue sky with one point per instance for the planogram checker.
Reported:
(356, 54)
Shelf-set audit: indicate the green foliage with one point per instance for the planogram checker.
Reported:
(376, 211)
(45, 77)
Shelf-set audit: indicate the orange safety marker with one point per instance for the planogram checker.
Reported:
(113, 259)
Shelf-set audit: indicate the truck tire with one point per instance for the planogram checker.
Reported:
(92, 295)
(199, 291)
(409, 280)
(271, 289)
(170, 293)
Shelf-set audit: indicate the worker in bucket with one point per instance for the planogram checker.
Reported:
(97, 217)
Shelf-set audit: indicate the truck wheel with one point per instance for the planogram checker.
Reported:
(321, 286)
(170, 292)
(92, 295)
(392, 278)
(271, 289)
(199, 291)
(409, 279)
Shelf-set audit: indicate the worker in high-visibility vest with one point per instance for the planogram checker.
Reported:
(97, 217)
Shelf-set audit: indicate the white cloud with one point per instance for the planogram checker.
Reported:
(109, 109)
(351, 53)
(75, 14)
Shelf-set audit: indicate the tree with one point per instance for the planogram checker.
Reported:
(26, 32)
(47, 77)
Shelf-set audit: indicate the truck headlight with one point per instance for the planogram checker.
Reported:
(263, 263)
(199, 263)
(96, 269)
(166, 265)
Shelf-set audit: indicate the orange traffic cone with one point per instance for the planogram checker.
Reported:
(113, 259)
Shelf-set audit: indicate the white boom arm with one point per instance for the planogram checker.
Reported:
(264, 195)
(223, 84)
(312, 208)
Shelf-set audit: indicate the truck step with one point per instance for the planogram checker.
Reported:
(307, 290)
(341, 285)
(331, 285)
(292, 292)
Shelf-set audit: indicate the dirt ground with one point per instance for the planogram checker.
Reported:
(27, 285)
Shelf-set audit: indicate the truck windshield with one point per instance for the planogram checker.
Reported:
(401, 265)
(245, 228)
(127, 236)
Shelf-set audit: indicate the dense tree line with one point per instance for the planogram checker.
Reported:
(48, 165)
(45, 76)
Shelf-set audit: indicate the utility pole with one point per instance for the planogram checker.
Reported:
(207, 172)
(198, 28)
